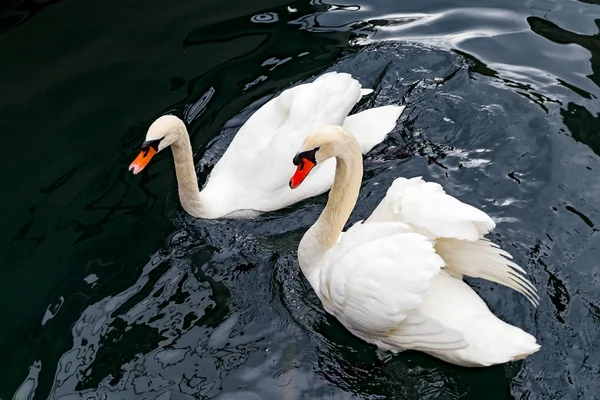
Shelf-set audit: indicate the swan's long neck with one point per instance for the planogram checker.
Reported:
(187, 181)
(324, 234)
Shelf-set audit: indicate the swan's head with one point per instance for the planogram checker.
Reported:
(163, 132)
(320, 145)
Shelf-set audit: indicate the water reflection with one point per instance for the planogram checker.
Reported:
(463, 30)
(281, 33)
(22, 12)
(583, 125)
(502, 38)
(553, 32)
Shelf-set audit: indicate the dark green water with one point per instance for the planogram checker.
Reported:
(108, 290)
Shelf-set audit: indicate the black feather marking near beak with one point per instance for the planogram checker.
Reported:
(309, 155)
(151, 143)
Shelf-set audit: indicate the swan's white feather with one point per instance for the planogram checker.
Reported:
(254, 171)
(391, 287)
(419, 332)
(484, 259)
(458, 230)
(455, 305)
(370, 127)
(427, 208)
(372, 280)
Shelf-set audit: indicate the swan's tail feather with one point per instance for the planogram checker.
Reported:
(453, 304)
(496, 343)
(507, 343)
(371, 127)
(526, 353)
(364, 91)
(484, 259)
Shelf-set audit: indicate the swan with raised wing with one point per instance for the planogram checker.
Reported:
(252, 175)
(395, 280)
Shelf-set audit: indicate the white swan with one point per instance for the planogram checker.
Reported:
(252, 176)
(395, 280)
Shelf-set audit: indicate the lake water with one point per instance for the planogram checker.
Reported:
(109, 291)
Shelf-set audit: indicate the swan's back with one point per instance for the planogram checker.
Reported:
(325, 101)
(256, 167)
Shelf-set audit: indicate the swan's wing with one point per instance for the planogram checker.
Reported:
(326, 101)
(457, 229)
(259, 157)
(371, 127)
(484, 259)
(375, 277)
(288, 118)
(426, 208)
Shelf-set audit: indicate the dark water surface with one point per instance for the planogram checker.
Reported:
(108, 290)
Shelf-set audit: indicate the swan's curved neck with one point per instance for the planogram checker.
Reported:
(187, 181)
(324, 234)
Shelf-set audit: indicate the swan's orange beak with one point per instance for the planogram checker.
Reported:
(142, 160)
(302, 171)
